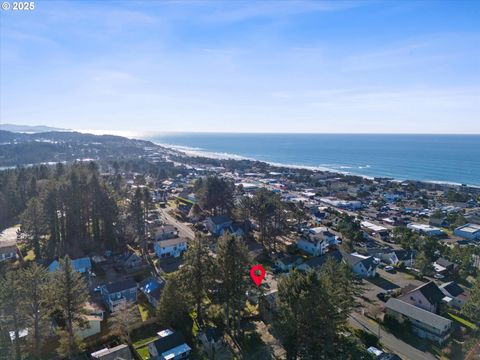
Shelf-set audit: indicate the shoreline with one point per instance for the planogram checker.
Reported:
(198, 152)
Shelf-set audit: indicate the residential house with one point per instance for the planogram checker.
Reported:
(427, 296)
(81, 265)
(438, 222)
(445, 267)
(363, 266)
(314, 244)
(212, 340)
(132, 262)
(323, 232)
(317, 262)
(373, 229)
(170, 248)
(267, 305)
(468, 231)
(426, 229)
(454, 294)
(8, 250)
(93, 318)
(169, 346)
(425, 324)
(120, 352)
(217, 224)
(234, 229)
(165, 232)
(152, 289)
(287, 262)
(393, 256)
(118, 293)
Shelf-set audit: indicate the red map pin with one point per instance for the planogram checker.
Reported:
(257, 278)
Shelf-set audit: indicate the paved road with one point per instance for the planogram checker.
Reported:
(389, 341)
(183, 229)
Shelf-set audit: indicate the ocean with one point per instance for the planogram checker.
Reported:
(436, 158)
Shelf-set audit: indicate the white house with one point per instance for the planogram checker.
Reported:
(170, 248)
(454, 294)
(314, 245)
(468, 231)
(363, 266)
(164, 232)
(427, 296)
(425, 229)
(323, 233)
(424, 324)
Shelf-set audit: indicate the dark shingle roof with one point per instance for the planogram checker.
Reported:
(219, 220)
(169, 342)
(431, 292)
(453, 288)
(121, 285)
(318, 261)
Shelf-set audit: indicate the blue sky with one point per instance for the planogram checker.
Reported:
(263, 66)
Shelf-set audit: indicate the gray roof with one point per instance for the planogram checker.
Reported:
(118, 352)
(423, 316)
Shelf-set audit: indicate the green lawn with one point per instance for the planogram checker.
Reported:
(463, 322)
(143, 352)
(146, 310)
(141, 343)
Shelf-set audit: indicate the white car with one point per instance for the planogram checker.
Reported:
(438, 276)
(389, 268)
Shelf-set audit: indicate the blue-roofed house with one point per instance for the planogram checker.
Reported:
(152, 289)
(81, 265)
(118, 293)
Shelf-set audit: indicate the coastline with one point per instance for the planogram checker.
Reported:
(198, 152)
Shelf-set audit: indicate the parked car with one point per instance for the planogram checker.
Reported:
(389, 268)
(383, 296)
(439, 276)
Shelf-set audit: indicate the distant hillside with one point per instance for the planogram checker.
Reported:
(28, 128)
(22, 148)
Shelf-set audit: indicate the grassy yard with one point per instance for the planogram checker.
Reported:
(143, 352)
(462, 321)
(146, 310)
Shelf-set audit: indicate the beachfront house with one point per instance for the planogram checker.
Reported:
(170, 248)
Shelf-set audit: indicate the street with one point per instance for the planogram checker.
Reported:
(389, 341)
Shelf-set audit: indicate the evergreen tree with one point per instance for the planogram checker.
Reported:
(197, 272)
(471, 309)
(216, 195)
(33, 224)
(231, 277)
(69, 295)
(172, 308)
(10, 306)
(35, 288)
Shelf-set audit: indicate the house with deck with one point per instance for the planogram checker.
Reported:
(425, 324)
(119, 293)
